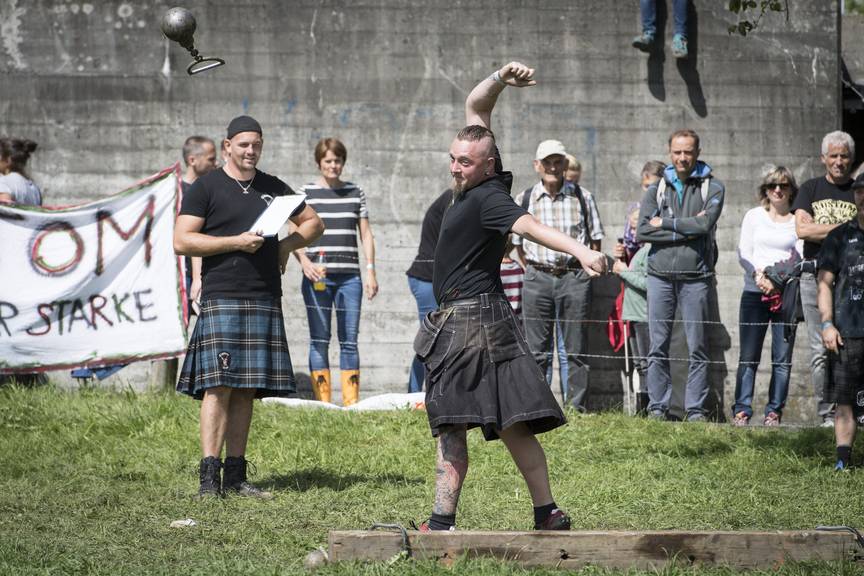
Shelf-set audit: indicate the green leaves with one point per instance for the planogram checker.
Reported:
(751, 12)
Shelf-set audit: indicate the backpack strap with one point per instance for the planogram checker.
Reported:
(585, 215)
(661, 193)
(706, 183)
(526, 198)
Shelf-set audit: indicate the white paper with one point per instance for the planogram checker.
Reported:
(277, 213)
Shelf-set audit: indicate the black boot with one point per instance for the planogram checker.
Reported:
(235, 480)
(209, 472)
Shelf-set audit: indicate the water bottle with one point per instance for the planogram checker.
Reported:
(320, 262)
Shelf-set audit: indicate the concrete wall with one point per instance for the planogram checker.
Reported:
(109, 102)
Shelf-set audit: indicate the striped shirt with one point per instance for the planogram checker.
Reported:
(341, 210)
(564, 213)
(512, 276)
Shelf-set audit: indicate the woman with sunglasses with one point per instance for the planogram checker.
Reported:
(767, 238)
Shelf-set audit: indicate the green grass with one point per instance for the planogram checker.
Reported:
(90, 481)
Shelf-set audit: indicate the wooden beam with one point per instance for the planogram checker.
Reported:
(623, 550)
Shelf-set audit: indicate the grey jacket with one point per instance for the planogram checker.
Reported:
(683, 246)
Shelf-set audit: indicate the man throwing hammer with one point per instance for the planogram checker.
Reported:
(480, 371)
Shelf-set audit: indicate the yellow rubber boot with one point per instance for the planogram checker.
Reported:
(350, 387)
(321, 385)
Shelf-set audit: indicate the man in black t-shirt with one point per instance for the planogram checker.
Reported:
(238, 350)
(199, 157)
(820, 206)
(841, 306)
(479, 371)
(420, 274)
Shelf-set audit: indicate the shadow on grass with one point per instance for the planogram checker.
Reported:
(303, 480)
(805, 443)
(808, 442)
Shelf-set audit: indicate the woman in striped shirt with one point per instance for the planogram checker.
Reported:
(331, 270)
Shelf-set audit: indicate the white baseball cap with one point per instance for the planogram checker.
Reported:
(548, 148)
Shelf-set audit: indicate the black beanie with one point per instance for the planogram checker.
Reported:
(243, 124)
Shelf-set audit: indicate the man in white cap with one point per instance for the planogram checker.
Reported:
(555, 286)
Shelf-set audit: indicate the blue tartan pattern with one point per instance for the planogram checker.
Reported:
(239, 344)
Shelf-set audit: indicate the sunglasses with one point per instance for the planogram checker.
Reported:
(781, 185)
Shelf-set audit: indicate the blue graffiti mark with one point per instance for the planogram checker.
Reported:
(344, 116)
(423, 113)
(245, 105)
(289, 105)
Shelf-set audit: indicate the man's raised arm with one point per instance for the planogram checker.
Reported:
(481, 100)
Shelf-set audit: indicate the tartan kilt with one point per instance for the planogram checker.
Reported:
(238, 343)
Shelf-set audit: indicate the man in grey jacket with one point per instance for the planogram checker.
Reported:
(678, 216)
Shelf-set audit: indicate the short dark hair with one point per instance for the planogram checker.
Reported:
(477, 133)
(684, 133)
(193, 146)
(654, 167)
(16, 151)
(332, 145)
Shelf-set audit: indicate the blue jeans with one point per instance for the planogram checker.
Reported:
(425, 297)
(345, 291)
(563, 370)
(648, 10)
(664, 297)
(754, 316)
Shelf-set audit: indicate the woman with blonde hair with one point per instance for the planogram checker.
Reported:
(767, 239)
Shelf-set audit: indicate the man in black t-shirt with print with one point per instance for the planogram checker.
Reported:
(479, 370)
(238, 350)
(841, 305)
(821, 205)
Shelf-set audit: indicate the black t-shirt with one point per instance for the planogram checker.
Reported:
(228, 211)
(422, 266)
(472, 239)
(828, 203)
(843, 254)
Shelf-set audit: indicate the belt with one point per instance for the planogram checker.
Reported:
(476, 300)
(556, 271)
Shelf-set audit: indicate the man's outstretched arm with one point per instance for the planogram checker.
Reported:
(481, 100)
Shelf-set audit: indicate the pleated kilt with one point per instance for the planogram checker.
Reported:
(479, 370)
(238, 343)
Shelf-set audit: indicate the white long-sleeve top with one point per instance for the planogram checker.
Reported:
(764, 242)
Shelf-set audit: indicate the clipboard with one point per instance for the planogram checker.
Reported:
(277, 213)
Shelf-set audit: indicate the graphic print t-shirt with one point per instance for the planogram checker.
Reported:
(828, 204)
(843, 254)
(228, 211)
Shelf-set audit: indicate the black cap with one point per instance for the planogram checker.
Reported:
(243, 124)
(859, 181)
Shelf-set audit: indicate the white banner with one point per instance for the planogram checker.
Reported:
(94, 284)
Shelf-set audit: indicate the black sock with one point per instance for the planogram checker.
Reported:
(442, 521)
(844, 453)
(541, 513)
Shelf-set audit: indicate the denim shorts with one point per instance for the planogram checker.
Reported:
(480, 372)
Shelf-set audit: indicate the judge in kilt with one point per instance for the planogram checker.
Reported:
(480, 372)
(238, 350)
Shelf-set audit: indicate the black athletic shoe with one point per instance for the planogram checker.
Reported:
(209, 474)
(235, 484)
(557, 520)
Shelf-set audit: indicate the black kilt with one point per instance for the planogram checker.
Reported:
(480, 372)
(845, 381)
(238, 343)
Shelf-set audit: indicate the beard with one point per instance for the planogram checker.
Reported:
(458, 187)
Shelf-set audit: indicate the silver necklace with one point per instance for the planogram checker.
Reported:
(245, 188)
